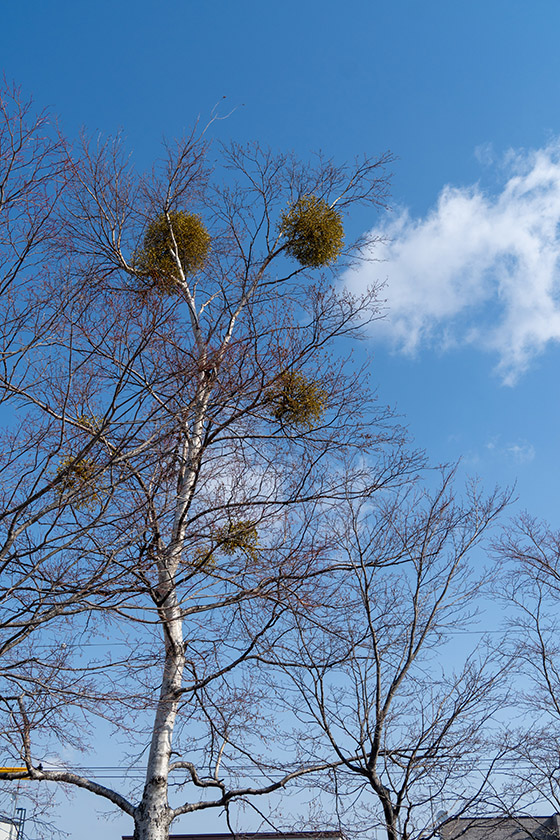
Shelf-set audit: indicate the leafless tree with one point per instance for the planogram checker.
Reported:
(530, 551)
(46, 578)
(183, 439)
(410, 734)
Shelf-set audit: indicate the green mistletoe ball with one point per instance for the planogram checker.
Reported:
(156, 261)
(314, 232)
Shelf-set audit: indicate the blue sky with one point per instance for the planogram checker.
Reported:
(464, 94)
(450, 88)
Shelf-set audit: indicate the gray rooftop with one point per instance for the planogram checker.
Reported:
(502, 828)
(259, 835)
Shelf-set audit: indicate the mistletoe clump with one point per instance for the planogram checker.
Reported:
(314, 232)
(235, 536)
(238, 536)
(81, 478)
(297, 400)
(156, 261)
(90, 423)
(203, 559)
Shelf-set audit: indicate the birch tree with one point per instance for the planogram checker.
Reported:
(190, 430)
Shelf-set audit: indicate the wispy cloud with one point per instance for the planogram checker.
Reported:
(478, 269)
(522, 452)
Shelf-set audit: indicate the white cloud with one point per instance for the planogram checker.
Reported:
(523, 452)
(478, 269)
(520, 451)
(485, 154)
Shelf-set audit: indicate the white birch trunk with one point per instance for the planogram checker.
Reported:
(153, 814)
